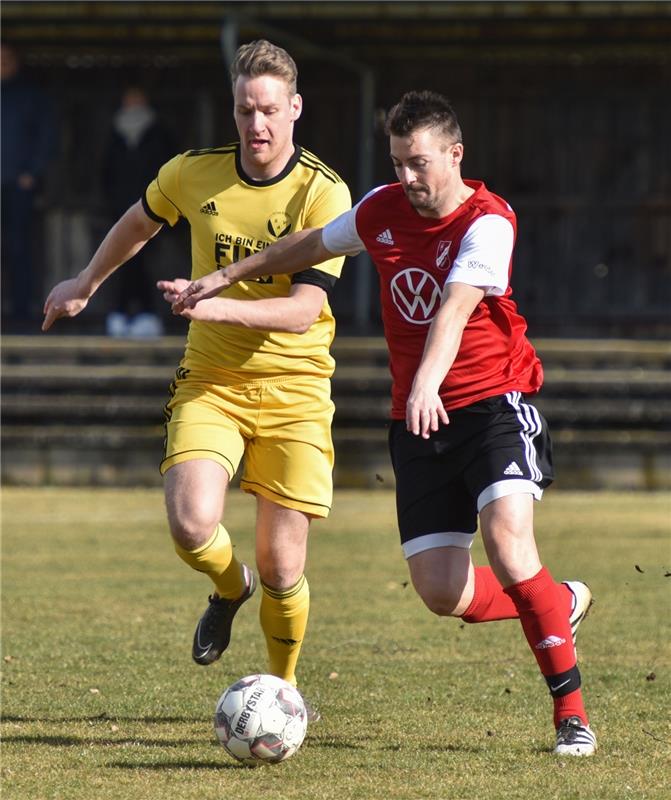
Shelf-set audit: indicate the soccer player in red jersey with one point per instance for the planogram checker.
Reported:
(464, 440)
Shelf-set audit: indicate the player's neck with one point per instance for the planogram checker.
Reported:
(266, 171)
(456, 196)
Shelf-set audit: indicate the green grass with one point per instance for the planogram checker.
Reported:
(101, 699)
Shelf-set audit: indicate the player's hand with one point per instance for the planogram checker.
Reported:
(424, 412)
(207, 286)
(213, 309)
(66, 299)
(172, 289)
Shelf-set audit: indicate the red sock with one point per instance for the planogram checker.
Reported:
(489, 600)
(542, 609)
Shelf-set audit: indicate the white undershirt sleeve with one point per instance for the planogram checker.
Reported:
(484, 256)
(340, 236)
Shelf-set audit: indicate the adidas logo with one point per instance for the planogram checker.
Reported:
(512, 469)
(209, 208)
(551, 641)
(385, 237)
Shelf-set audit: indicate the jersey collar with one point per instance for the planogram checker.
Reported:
(291, 163)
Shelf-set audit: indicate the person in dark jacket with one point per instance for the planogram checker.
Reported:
(138, 144)
(29, 140)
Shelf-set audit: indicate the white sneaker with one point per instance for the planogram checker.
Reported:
(574, 738)
(145, 326)
(116, 325)
(582, 600)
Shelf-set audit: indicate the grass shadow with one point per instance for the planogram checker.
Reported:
(88, 741)
(201, 765)
(104, 717)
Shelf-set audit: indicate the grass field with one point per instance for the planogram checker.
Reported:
(101, 700)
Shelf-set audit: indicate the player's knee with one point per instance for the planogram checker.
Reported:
(279, 575)
(192, 526)
(441, 600)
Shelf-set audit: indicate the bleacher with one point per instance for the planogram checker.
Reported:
(87, 410)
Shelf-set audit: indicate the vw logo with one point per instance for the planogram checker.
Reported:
(416, 295)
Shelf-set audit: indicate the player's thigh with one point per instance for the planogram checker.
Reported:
(433, 505)
(207, 421)
(281, 543)
(508, 535)
(512, 453)
(289, 461)
(203, 448)
(195, 493)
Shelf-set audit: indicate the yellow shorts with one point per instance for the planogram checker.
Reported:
(282, 426)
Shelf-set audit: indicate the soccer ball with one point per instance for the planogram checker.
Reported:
(261, 719)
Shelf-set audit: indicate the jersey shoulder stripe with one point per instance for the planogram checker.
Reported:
(207, 151)
(309, 159)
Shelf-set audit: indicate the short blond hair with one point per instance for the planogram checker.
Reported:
(261, 57)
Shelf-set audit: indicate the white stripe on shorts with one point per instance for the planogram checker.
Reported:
(531, 426)
(504, 488)
(432, 540)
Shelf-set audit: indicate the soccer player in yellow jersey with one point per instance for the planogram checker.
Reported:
(259, 386)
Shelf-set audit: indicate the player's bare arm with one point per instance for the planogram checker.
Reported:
(126, 237)
(292, 314)
(296, 252)
(425, 410)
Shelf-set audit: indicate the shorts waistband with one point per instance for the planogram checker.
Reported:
(225, 378)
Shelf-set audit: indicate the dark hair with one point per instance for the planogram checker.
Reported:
(261, 57)
(420, 110)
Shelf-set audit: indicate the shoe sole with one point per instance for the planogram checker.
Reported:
(584, 601)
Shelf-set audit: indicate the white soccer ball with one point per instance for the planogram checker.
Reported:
(261, 719)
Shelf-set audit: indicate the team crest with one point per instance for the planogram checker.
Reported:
(443, 255)
(279, 224)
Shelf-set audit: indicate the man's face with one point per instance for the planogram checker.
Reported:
(427, 167)
(265, 113)
(9, 63)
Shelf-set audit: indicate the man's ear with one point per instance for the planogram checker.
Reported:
(296, 104)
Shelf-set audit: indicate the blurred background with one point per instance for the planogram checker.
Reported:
(566, 112)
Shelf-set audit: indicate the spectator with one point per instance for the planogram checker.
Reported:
(138, 145)
(28, 143)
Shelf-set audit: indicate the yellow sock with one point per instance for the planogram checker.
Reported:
(284, 618)
(215, 558)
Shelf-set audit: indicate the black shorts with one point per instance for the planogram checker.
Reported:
(497, 447)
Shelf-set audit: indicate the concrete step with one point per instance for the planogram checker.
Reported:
(373, 378)
(126, 455)
(353, 408)
(88, 410)
(168, 349)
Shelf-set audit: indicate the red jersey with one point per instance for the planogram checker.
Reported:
(415, 256)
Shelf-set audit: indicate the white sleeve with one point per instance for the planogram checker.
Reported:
(340, 236)
(484, 255)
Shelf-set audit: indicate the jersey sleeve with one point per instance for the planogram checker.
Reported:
(161, 197)
(342, 235)
(484, 255)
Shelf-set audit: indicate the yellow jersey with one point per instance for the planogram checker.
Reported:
(232, 216)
